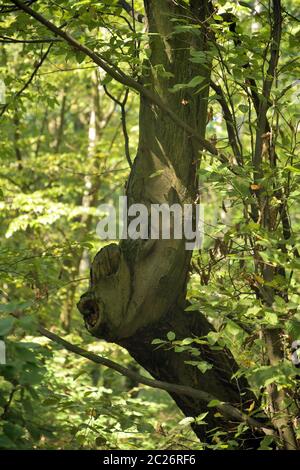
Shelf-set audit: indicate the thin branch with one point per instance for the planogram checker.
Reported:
(226, 409)
(103, 173)
(231, 130)
(9, 402)
(286, 89)
(33, 74)
(10, 9)
(267, 86)
(122, 105)
(7, 40)
(131, 11)
(291, 16)
(115, 72)
(71, 69)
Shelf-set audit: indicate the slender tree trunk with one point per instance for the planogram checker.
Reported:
(17, 135)
(62, 118)
(267, 215)
(138, 288)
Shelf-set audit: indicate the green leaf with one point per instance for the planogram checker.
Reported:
(13, 431)
(186, 421)
(145, 427)
(156, 173)
(80, 56)
(201, 417)
(265, 443)
(186, 341)
(213, 403)
(293, 169)
(279, 374)
(6, 325)
(193, 307)
(157, 341)
(11, 307)
(271, 318)
(293, 329)
(204, 366)
(253, 311)
(6, 443)
(51, 401)
(196, 81)
(171, 336)
(243, 108)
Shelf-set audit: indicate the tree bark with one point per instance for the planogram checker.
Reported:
(138, 288)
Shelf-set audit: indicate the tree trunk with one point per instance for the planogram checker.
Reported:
(138, 288)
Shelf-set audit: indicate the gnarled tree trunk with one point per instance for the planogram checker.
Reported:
(138, 288)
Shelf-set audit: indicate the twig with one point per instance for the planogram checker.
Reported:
(7, 40)
(26, 85)
(225, 408)
(231, 129)
(10, 9)
(131, 11)
(267, 86)
(116, 73)
(9, 402)
(122, 105)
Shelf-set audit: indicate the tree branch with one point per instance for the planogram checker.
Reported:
(117, 74)
(128, 8)
(229, 411)
(10, 9)
(267, 86)
(26, 85)
(231, 130)
(122, 105)
(5, 39)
